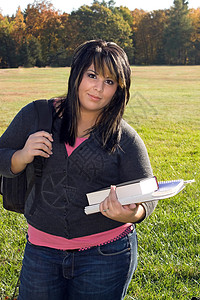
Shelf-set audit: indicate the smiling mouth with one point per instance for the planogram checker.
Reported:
(95, 98)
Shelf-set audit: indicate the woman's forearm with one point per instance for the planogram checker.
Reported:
(17, 162)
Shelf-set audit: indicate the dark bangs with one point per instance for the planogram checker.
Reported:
(106, 65)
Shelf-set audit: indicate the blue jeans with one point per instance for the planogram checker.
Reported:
(102, 272)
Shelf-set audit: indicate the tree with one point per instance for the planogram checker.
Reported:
(99, 22)
(30, 52)
(149, 38)
(8, 55)
(178, 33)
(43, 23)
(109, 4)
(137, 15)
(18, 27)
(125, 14)
(194, 54)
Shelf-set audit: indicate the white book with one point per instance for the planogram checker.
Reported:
(124, 190)
(163, 190)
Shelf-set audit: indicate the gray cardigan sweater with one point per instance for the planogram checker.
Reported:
(67, 179)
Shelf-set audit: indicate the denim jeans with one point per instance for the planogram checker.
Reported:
(99, 273)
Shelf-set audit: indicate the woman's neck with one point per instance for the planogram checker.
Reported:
(85, 122)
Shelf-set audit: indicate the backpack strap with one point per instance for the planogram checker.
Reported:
(44, 112)
(44, 117)
(43, 109)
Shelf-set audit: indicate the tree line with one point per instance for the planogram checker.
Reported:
(42, 36)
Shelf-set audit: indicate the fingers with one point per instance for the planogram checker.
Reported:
(111, 203)
(131, 206)
(41, 141)
(43, 134)
(112, 208)
(38, 144)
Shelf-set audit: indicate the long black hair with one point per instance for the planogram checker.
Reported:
(104, 55)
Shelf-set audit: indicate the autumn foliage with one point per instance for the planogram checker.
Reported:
(41, 36)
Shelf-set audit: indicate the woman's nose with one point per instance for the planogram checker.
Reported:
(99, 85)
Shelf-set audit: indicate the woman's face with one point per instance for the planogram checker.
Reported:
(96, 91)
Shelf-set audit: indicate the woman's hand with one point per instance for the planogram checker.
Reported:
(37, 144)
(112, 208)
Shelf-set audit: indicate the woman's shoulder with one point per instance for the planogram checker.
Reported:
(127, 129)
(29, 109)
(27, 116)
(129, 136)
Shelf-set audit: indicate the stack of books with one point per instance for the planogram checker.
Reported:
(148, 189)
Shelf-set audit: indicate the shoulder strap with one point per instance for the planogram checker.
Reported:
(44, 112)
(45, 119)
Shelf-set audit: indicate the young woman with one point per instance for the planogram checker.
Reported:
(71, 255)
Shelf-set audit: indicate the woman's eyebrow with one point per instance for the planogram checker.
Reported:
(90, 70)
(108, 76)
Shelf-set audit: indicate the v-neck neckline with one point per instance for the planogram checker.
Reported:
(70, 149)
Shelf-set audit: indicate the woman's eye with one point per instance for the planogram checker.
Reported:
(109, 82)
(91, 75)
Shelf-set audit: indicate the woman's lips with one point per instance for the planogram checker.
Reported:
(95, 98)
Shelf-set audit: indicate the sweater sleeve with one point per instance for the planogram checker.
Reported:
(15, 136)
(134, 162)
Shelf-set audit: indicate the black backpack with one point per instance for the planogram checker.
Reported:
(15, 190)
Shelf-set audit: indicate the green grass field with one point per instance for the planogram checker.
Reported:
(165, 110)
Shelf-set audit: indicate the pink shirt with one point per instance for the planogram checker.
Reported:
(41, 238)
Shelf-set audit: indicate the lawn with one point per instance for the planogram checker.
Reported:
(165, 110)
